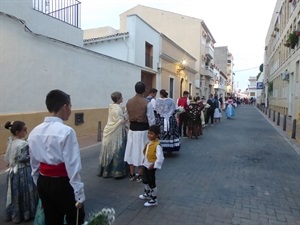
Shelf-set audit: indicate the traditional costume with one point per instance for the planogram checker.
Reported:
(113, 144)
(218, 111)
(183, 117)
(165, 118)
(230, 111)
(140, 115)
(21, 195)
(153, 154)
(55, 161)
(194, 119)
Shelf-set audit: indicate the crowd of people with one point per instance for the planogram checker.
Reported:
(45, 168)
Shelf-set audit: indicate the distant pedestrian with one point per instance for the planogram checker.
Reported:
(152, 160)
(111, 161)
(218, 111)
(210, 111)
(55, 161)
(183, 117)
(194, 118)
(21, 194)
(230, 109)
(140, 115)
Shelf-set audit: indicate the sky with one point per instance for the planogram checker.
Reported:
(239, 24)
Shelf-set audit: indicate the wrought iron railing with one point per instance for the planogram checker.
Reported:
(67, 11)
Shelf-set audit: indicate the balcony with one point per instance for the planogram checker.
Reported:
(67, 11)
(208, 72)
(209, 52)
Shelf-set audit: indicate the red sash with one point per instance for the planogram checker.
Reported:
(53, 170)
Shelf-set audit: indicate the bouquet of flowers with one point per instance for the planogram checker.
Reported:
(179, 109)
(105, 217)
(206, 106)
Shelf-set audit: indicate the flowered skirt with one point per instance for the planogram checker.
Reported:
(22, 196)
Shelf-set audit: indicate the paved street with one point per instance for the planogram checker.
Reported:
(242, 171)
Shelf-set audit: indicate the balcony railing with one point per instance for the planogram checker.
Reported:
(67, 11)
(208, 72)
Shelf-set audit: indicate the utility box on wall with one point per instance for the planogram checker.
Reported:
(79, 118)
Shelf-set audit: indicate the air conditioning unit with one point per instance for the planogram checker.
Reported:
(285, 76)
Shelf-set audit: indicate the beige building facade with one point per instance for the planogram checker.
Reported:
(177, 69)
(189, 33)
(282, 60)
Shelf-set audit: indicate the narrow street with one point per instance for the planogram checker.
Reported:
(242, 171)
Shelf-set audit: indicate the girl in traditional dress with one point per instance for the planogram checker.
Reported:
(230, 109)
(165, 118)
(21, 195)
(194, 118)
(218, 111)
(114, 141)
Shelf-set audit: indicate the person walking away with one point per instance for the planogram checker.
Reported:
(152, 160)
(230, 109)
(166, 120)
(111, 163)
(218, 111)
(56, 163)
(140, 115)
(210, 111)
(183, 117)
(21, 193)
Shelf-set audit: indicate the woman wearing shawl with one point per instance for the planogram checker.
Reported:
(165, 118)
(114, 141)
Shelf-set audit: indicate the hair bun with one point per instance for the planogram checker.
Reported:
(8, 125)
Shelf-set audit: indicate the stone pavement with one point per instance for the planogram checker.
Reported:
(242, 171)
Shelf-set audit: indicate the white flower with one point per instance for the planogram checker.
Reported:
(105, 217)
(179, 109)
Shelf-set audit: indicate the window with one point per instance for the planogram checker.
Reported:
(171, 94)
(149, 55)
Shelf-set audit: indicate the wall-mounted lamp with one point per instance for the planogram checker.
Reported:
(182, 66)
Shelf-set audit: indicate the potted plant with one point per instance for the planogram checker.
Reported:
(293, 39)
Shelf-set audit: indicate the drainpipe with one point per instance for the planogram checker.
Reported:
(127, 48)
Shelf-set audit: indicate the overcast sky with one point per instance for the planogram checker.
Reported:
(241, 25)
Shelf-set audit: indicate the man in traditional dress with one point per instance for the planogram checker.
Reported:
(140, 116)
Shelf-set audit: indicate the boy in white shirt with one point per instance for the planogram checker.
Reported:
(153, 159)
(55, 162)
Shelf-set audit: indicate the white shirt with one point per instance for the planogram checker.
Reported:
(52, 142)
(159, 157)
(150, 114)
(153, 101)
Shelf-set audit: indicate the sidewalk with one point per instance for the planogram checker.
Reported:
(84, 142)
(287, 134)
